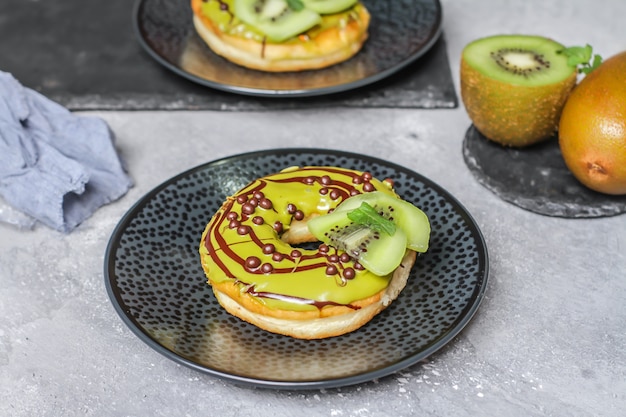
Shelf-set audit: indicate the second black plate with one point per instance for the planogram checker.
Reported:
(535, 178)
(401, 31)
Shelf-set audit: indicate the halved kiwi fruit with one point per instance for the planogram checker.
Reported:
(514, 87)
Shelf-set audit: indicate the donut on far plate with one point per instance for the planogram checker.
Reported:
(273, 36)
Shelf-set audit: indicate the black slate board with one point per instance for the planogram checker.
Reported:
(535, 178)
(84, 55)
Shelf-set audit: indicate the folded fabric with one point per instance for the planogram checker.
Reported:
(55, 166)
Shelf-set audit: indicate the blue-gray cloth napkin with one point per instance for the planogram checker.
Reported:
(55, 166)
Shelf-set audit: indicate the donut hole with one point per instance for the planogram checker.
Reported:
(307, 246)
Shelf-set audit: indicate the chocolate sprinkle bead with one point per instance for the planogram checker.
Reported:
(232, 215)
(296, 253)
(265, 203)
(368, 187)
(291, 208)
(323, 248)
(258, 220)
(242, 199)
(278, 227)
(243, 230)
(323, 191)
(252, 262)
(298, 215)
(277, 256)
(344, 258)
(333, 258)
(331, 270)
(258, 195)
(267, 268)
(349, 273)
(268, 248)
(247, 208)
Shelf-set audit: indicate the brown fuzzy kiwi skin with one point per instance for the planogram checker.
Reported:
(513, 115)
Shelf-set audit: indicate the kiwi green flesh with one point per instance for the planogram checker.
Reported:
(413, 221)
(519, 59)
(378, 252)
(328, 6)
(276, 23)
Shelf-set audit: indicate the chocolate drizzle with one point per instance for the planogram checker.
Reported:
(297, 300)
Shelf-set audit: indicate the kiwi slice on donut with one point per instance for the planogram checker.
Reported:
(413, 221)
(375, 229)
(275, 18)
(328, 6)
(378, 251)
(514, 87)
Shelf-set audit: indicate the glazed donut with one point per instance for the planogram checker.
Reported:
(337, 38)
(257, 274)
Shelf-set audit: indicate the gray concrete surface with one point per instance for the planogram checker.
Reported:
(548, 339)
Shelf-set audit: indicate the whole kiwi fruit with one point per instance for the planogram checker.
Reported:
(514, 87)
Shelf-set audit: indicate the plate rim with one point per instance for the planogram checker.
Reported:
(272, 93)
(412, 359)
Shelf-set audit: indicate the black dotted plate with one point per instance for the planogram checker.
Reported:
(155, 281)
(401, 31)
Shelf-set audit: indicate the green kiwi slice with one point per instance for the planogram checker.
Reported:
(413, 221)
(378, 251)
(514, 87)
(275, 18)
(328, 6)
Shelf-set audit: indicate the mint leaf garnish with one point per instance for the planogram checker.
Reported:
(366, 215)
(597, 60)
(296, 5)
(580, 56)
